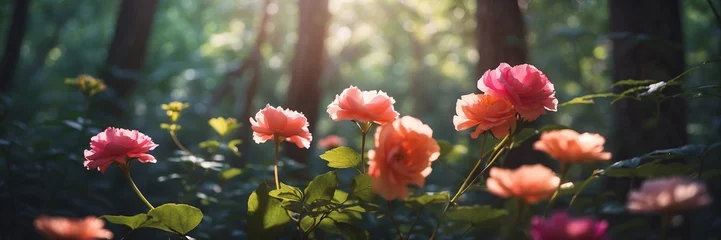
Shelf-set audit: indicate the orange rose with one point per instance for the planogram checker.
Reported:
(488, 112)
(568, 146)
(363, 106)
(532, 183)
(404, 150)
(276, 122)
(60, 228)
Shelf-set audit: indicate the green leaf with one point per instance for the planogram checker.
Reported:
(233, 146)
(522, 136)
(475, 214)
(341, 157)
(351, 232)
(340, 196)
(210, 145)
(446, 147)
(173, 217)
(286, 193)
(131, 221)
(652, 169)
(222, 125)
(361, 188)
(588, 99)
(266, 217)
(321, 188)
(230, 173)
(428, 198)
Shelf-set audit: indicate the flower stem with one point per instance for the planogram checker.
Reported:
(564, 172)
(363, 150)
(126, 172)
(177, 143)
(467, 181)
(390, 215)
(275, 165)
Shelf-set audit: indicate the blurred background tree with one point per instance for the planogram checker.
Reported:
(230, 57)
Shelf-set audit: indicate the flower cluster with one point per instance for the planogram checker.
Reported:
(507, 90)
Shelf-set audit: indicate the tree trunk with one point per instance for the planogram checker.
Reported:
(304, 91)
(14, 42)
(501, 32)
(126, 55)
(649, 46)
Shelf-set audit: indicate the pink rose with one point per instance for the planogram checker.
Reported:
(568, 146)
(527, 88)
(562, 226)
(404, 150)
(281, 124)
(532, 183)
(115, 145)
(670, 195)
(363, 106)
(485, 111)
(60, 228)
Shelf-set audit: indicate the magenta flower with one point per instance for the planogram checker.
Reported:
(562, 226)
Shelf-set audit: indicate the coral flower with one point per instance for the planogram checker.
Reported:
(668, 195)
(284, 124)
(404, 150)
(563, 226)
(488, 112)
(527, 88)
(363, 106)
(568, 146)
(331, 141)
(116, 145)
(531, 183)
(60, 228)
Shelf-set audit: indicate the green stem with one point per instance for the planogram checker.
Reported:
(470, 176)
(580, 189)
(177, 143)
(363, 150)
(126, 172)
(564, 171)
(665, 220)
(390, 215)
(275, 165)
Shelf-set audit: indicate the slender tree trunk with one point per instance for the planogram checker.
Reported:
(126, 55)
(649, 46)
(11, 55)
(501, 31)
(304, 92)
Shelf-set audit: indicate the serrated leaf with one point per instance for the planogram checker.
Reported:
(351, 232)
(341, 157)
(478, 214)
(230, 173)
(266, 218)
(133, 222)
(427, 198)
(175, 218)
(632, 82)
(340, 196)
(321, 188)
(286, 193)
(361, 188)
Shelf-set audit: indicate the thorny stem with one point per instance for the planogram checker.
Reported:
(390, 215)
(126, 171)
(564, 172)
